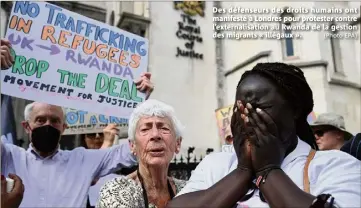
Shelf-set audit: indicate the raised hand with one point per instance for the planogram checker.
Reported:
(6, 59)
(144, 84)
(241, 142)
(267, 149)
(109, 135)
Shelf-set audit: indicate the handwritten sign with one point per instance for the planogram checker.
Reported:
(83, 122)
(66, 59)
(224, 116)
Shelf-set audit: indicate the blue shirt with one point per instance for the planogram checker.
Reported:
(62, 179)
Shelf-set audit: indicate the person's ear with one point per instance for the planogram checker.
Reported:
(178, 145)
(132, 147)
(341, 135)
(65, 126)
(26, 126)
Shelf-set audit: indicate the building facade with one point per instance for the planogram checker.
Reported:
(331, 65)
(196, 87)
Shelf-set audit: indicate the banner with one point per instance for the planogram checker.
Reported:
(224, 115)
(83, 122)
(66, 59)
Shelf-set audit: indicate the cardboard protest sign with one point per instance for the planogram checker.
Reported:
(83, 122)
(66, 59)
(224, 115)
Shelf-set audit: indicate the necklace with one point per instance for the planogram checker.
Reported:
(145, 196)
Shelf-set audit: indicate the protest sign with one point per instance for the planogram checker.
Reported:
(66, 59)
(224, 115)
(83, 122)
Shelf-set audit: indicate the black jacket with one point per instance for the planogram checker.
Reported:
(353, 146)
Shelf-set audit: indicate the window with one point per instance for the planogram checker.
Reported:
(133, 23)
(287, 42)
(83, 9)
(335, 49)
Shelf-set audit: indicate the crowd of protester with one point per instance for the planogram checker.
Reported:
(279, 160)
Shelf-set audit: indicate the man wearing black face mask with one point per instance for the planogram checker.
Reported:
(45, 139)
(53, 177)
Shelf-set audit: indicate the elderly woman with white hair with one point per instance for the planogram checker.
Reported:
(155, 135)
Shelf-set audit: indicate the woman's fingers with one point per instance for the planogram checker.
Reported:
(256, 118)
(268, 121)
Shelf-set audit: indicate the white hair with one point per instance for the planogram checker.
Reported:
(29, 108)
(154, 108)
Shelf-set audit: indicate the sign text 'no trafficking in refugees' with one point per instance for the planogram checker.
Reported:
(66, 59)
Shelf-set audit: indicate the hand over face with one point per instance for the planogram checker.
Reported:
(267, 149)
(144, 84)
(6, 59)
(241, 142)
(14, 198)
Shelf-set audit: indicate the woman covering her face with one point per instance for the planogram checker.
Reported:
(155, 136)
(275, 163)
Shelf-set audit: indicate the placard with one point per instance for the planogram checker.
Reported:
(83, 122)
(66, 59)
(223, 116)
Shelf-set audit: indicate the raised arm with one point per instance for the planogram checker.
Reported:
(8, 151)
(110, 132)
(109, 160)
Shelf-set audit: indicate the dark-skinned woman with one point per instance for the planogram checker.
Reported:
(275, 163)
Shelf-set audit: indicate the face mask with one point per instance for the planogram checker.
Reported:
(45, 138)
